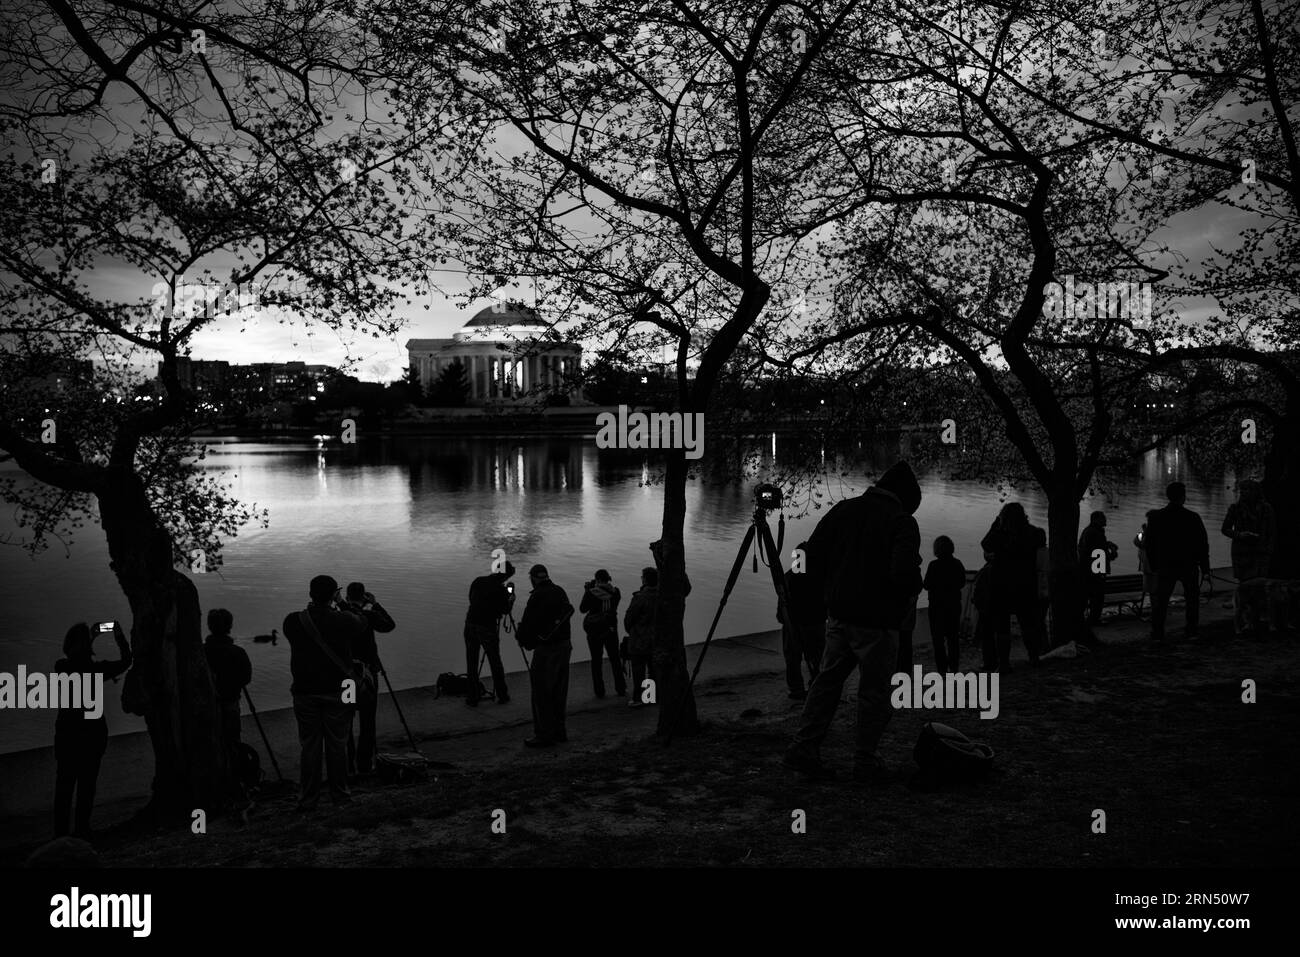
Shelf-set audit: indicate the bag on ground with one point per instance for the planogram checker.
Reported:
(400, 769)
(457, 686)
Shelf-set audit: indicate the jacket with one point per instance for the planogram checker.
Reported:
(230, 667)
(807, 603)
(944, 580)
(489, 599)
(1014, 564)
(639, 620)
(377, 620)
(599, 606)
(1252, 532)
(867, 553)
(313, 671)
(1176, 539)
(1094, 539)
(547, 605)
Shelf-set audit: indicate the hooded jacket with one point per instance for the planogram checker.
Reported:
(867, 553)
(599, 605)
(639, 620)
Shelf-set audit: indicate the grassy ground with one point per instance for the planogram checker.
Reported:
(1161, 741)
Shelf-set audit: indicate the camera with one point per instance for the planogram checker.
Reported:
(767, 497)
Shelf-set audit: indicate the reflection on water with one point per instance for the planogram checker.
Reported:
(417, 518)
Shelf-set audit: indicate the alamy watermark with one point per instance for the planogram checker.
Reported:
(1104, 300)
(76, 910)
(651, 430)
(76, 690)
(936, 691)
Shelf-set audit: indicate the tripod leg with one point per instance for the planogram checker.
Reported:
(778, 581)
(396, 704)
(726, 593)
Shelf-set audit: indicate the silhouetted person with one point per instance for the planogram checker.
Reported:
(803, 637)
(361, 747)
(599, 605)
(1095, 551)
(639, 623)
(490, 599)
(945, 578)
(544, 627)
(1179, 550)
(1011, 547)
(1144, 560)
(1252, 526)
(80, 742)
(867, 553)
(231, 672)
(321, 643)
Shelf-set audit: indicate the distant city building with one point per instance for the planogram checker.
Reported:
(505, 358)
(258, 383)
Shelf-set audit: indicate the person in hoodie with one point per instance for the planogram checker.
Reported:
(599, 607)
(867, 553)
(1011, 547)
(639, 623)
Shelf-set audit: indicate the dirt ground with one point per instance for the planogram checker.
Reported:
(1187, 774)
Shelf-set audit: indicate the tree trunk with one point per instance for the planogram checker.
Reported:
(169, 682)
(1063, 557)
(1281, 479)
(677, 715)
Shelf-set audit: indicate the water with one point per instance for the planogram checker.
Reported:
(417, 518)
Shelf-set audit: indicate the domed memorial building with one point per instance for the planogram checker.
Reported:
(505, 356)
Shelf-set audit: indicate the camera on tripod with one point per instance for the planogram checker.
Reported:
(767, 497)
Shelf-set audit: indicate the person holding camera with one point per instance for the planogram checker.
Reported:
(544, 630)
(322, 640)
(79, 741)
(491, 597)
(599, 605)
(361, 747)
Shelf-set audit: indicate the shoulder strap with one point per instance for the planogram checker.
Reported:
(310, 627)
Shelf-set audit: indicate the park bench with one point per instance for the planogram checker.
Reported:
(1126, 591)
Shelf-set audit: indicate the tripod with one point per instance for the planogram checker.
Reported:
(759, 534)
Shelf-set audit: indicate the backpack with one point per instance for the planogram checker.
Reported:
(248, 766)
(457, 686)
(400, 769)
(947, 757)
